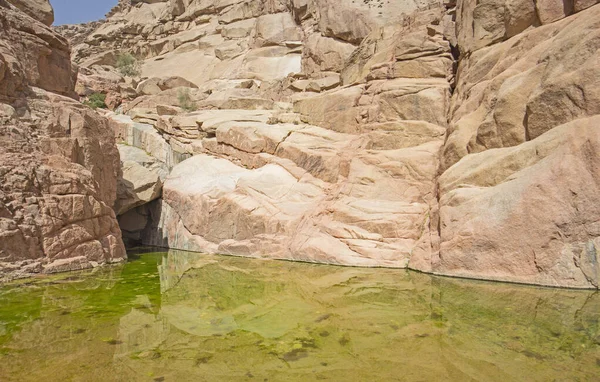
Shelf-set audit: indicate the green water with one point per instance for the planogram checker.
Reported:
(190, 317)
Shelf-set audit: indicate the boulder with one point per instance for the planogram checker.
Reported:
(141, 179)
(229, 50)
(149, 86)
(104, 58)
(317, 85)
(41, 10)
(325, 54)
(168, 110)
(275, 29)
(175, 82)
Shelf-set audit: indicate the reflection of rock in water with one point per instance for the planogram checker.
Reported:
(224, 318)
(176, 263)
(64, 319)
(265, 317)
(140, 333)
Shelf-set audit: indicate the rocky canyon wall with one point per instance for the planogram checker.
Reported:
(58, 158)
(452, 138)
(518, 190)
(457, 138)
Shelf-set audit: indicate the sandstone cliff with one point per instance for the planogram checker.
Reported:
(58, 158)
(457, 138)
(452, 138)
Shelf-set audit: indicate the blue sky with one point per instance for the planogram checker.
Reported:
(80, 11)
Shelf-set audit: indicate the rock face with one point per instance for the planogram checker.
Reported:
(535, 202)
(452, 138)
(41, 10)
(58, 159)
(33, 55)
(520, 162)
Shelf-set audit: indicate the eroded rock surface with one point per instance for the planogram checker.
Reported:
(516, 197)
(457, 138)
(41, 10)
(58, 158)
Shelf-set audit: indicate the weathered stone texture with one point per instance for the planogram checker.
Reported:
(58, 159)
(454, 138)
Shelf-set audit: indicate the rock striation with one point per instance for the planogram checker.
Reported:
(58, 158)
(456, 138)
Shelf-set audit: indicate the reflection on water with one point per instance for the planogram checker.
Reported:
(190, 317)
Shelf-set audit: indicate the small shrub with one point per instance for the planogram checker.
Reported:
(128, 65)
(185, 100)
(96, 100)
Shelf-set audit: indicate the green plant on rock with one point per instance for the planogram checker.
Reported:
(128, 65)
(96, 100)
(185, 100)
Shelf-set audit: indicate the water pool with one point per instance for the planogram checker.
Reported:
(180, 316)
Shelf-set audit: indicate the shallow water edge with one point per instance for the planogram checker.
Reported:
(178, 315)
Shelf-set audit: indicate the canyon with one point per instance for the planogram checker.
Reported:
(458, 138)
